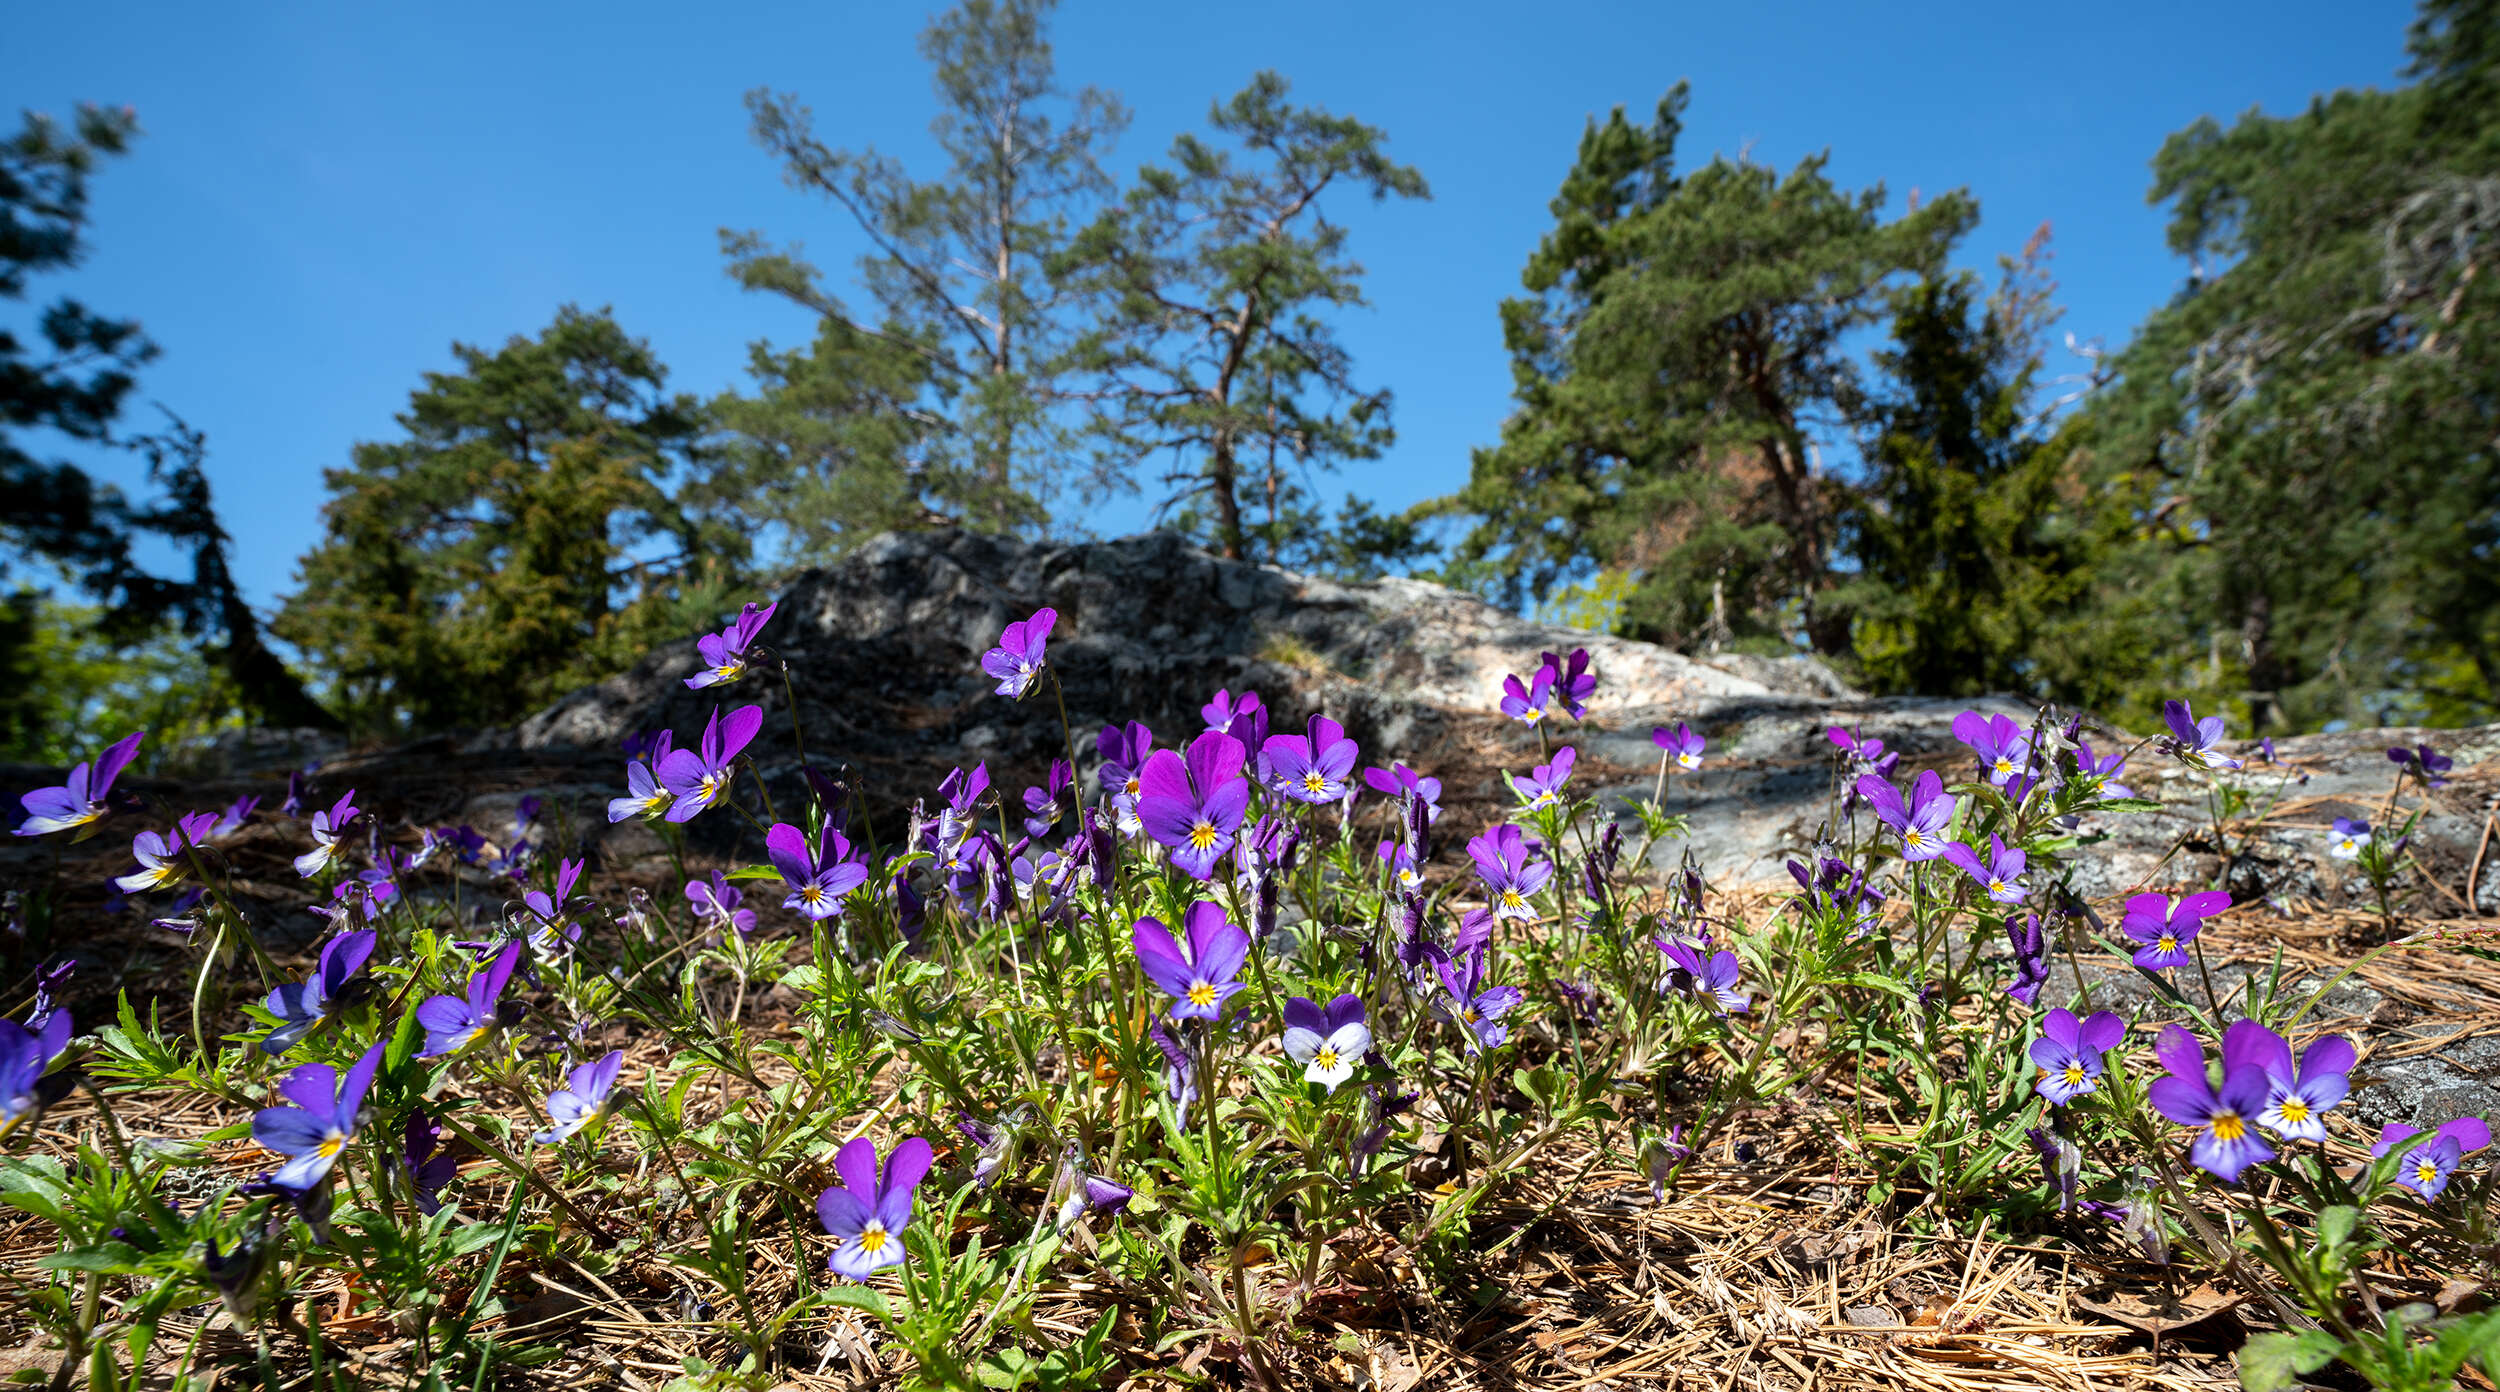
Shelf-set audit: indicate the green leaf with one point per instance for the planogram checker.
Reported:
(2274, 1362)
(858, 1298)
(110, 1257)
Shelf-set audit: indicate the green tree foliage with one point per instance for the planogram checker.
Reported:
(837, 444)
(1220, 275)
(1684, 339)
(2306, 433)
(73, 381)
(958, 270)
(525, 536)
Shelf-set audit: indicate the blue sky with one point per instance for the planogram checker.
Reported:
(328, 196)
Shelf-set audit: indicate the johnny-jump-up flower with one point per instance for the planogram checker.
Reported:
(1196, 971)
(1195, 806)
(2191, 740)
(2428, 1166)
(25, 1055)
(2003, 749)
(2000, 876)
(866, 1214)
(313, 1131)
(2297, 1100)
(82, 797)
(644, 797)
(1921, 822)
(1683, 748)
(1510, 873)
(818, 875)
(1543, 786)
(1399, 781)
(2165, 925)
(1016, 663)
(1573, 682)
(725, 653)
(587, 1095)
(2350, 835)
(1477, 1009)
(327, 827)
(165, 857)
(303, 1005)
(2069, 1052)
(1708, 977)
(1528, 702)
(698, 778)
(1327, 1042)
(453, 1023)
(2227, 1140)
(1315, 767)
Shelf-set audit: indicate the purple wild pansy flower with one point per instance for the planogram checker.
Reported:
(1573, 683)
(866, 1214)
(1317, 767)
(1921, 822)
(550, 908)
(1194, 807)
(1196, 971)
(588, 1094)
(313, 1132)
(2102, 771)
(327, 827)
(2069, 1052)
(2004, 750)
(1543, 786)
(1399, 781)
(1477, 1009)
(2031, 958)
(1124, 750)
(296, 787)
(1528, 702)
(453, 1023)
(1245, 718)
(2165, 925)
(1078, 1189)
(2297, 1100)
(2192, 740)
(2000, 876)
(1328, 1041)
(232, 819)
(2428, 1166)
(1511, 874)
(1708, 977)
(725, 653)
(994, 1144)
(165, 857)
(2349, 836)
(426, 1162)
(1043, 805)
(303, 1005)
(644, 797)
(1017, 662)
(716, 904)
(83, 797)
(818, 875)
(1403, 872)
(25, 1055)
(2424, 762)
(699, 778)
(1865, 755)
(1679, 746)
(2227, 1141)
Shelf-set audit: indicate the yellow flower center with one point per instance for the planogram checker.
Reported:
(2227, 1126)
(2169, 942)
(1313, 783)
(2004, 765)
(2074, 1075)
(728, 671)
(1202, 836)
(2425, 1172)
(85, 817)
(1690, 761)
(715, 784)
(330, 1146)
(1914, 838)
(1533, 714)
(1202, 993)
(1467, 1015)
(1996, 886)
(1326, 1058)
(2293, 1110)
(1511, 899)
(872, 1239)
(812, 895)
(1130, 787)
